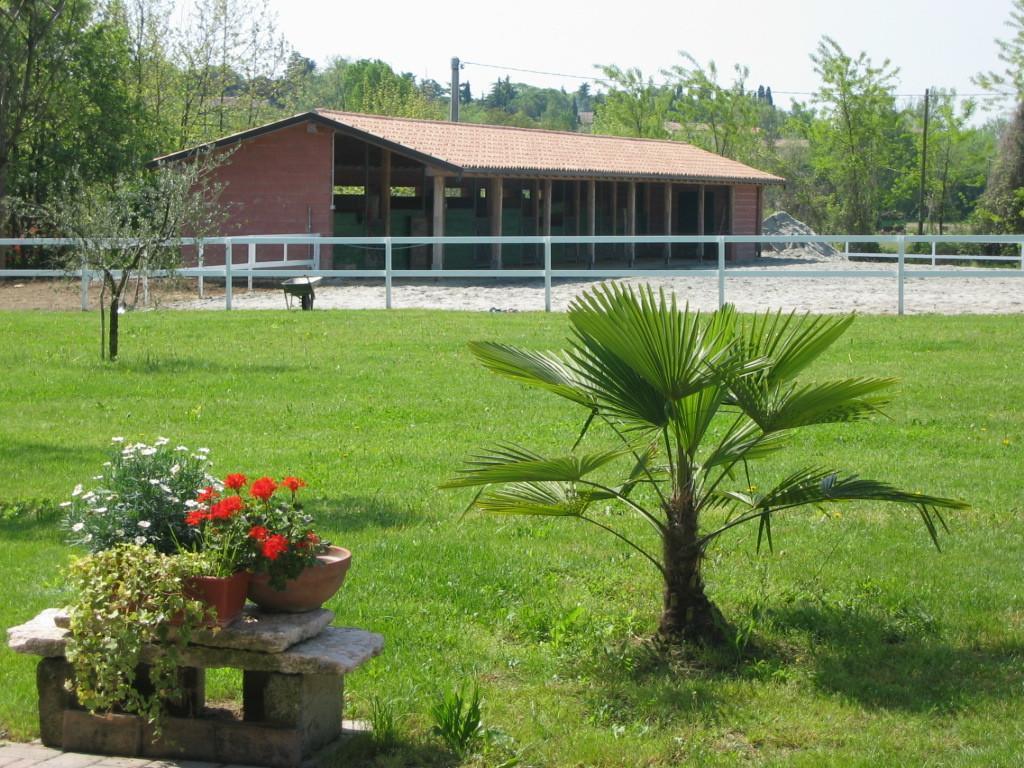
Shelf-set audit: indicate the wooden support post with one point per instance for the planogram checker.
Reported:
(668, 220)
(631, 220)
(546, 227)
(385, 190)
(438, 231)
(495, 202)
(615, 214)
(537, 218)
(577, 205)
(700, 219)
(648, 212)
(591, 219)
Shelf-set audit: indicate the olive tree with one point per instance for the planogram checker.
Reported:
(134, 224)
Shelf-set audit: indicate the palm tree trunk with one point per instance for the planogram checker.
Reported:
(687, 613)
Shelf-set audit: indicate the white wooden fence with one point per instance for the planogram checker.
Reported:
(285, 267)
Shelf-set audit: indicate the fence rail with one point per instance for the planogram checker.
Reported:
(286, 268)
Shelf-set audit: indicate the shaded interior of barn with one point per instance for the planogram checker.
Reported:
(378, 192)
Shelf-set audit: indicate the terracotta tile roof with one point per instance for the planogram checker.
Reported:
(491, 149)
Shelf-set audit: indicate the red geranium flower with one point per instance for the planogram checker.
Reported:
(275, 546)
(259, 533)
(207, 494)
(293, 483)
(195, 517)
(236, 481)
(309, 540)
(263, 488)
(225, 508)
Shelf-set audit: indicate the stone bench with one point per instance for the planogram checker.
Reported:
(293, 668)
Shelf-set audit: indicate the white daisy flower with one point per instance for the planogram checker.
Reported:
(88, 496)
(77, 527)
(161, 441)
(140, 540)
(175, 469)
(65, 504)
(117, 439)
(147, 451)
(202, 450)
(88, 538)
(77, 491)
(182, 449)
(97, 477)
(144, 524)
(154, 481)
(165, 488)
(100, 510)
(190, 503)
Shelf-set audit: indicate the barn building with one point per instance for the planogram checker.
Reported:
(353, 175)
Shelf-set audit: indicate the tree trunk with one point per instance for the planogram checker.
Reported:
(687, 613)
(112, 337)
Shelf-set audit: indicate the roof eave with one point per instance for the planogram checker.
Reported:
(605, 175)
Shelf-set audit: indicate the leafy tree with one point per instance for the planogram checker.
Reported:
(722, 119)
(502, 94)
(465, 94)
(693, 404)
(34, 34)
(135, 224)
(633, 106)
(854, 144)
(1009, 82)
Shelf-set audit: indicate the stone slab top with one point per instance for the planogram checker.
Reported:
(332, 650)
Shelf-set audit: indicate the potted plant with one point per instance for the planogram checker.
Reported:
(140, 496)
(294, 570)
(221, 551)
(125, 598)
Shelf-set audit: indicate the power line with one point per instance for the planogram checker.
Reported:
(668, 85)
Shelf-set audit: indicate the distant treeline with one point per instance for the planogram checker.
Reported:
(92, 89)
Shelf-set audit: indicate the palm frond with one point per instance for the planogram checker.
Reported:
(813, 486)
(545, 499)
(774, 407)
(666, 347)
(791, 341)
(547, 370)
(512, 464)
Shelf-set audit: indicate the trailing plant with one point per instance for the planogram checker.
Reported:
(457, 720)
(126, 599)
(693, 404)
(140, 497)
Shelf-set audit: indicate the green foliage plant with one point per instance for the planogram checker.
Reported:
(693, 404)
(457, 720)
(141, 497)
(125, 600)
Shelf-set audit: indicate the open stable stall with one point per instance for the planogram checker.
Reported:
(351, 175)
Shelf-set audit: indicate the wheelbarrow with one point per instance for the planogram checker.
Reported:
(302, 288)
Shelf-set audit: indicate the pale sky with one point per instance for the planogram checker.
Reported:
(933, 42)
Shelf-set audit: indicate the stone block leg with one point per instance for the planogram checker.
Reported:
(51, 678)
(311, 704)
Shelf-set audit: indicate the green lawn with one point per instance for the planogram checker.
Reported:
(866, 646)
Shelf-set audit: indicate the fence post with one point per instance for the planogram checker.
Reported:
(846, 250)
(229, 255)
(387, 273)
(721, 271)
(899, 269)
(1022, 255)
(933, 253)
(85, 287)
(316, 254)
(252, 262)
(200, 258)
(547, 273)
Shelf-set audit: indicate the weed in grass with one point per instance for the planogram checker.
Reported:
(384, 722)
(457, 720)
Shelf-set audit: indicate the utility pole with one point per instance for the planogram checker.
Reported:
(924, 166)
(455, 89)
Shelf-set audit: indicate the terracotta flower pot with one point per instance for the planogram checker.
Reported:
(307, 591)
(225, 596)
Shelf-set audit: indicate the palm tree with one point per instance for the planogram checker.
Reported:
(692, 402)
